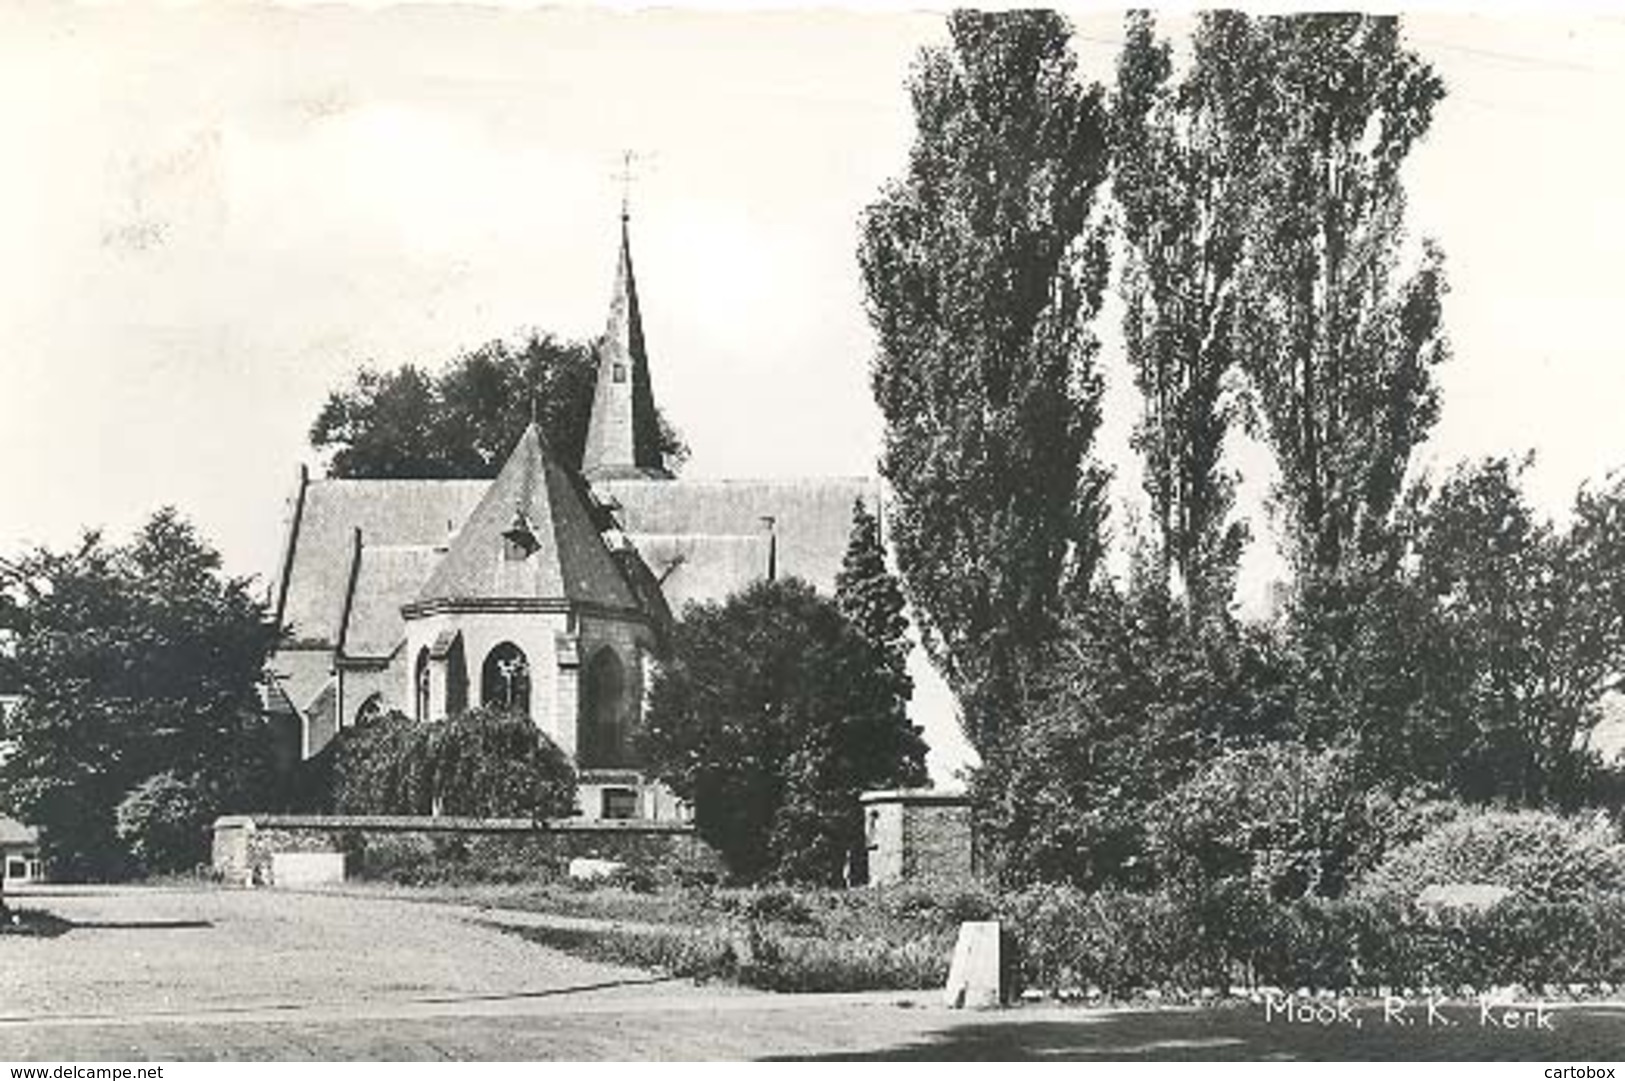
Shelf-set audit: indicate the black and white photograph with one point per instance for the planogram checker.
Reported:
(596, 532)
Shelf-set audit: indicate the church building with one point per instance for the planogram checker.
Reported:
(542, 591)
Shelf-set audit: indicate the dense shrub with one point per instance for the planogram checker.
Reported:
(902, 913)
(164, 822)
(1117, 942)
(777, 906)
(485, 763)
(1288, 821)
(1124, 943)
(776, 938)
(1540, 856)
(938, 907)
(1120, 944)
(1126, 707)
(482, 763)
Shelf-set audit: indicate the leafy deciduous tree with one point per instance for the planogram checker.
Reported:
(131, 661)
(770, 717)
(1533, 620)
(463, 422)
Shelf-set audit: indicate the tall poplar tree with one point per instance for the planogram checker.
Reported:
(983, 271)
(1340, 342)
(1182, 184)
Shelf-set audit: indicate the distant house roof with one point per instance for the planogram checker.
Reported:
(536, 500)
(324, 515)
(811, 520)
(13, 834)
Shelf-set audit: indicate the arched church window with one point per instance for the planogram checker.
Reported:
(619, 373)
(602, 733)
(505, 680)
(420, 681)
(370, 710)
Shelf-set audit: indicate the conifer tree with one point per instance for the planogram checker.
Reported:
(867, 592)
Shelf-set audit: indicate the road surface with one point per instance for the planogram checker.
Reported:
(197, 973)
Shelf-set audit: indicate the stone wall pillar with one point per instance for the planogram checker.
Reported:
(918, 834)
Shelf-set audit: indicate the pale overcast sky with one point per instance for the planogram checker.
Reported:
(214, 214)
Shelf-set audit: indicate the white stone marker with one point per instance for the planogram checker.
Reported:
(973, 978)
(306, 868)
(586, 869)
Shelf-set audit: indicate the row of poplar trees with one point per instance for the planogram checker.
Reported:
(1245, 196)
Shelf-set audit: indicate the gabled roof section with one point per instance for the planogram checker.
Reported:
(536, 503)
(320, 549)
(623, 435)
(810, 521)
(388, 576)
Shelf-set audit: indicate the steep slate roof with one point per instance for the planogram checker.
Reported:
(325, 513)
(702, 567)
(812, 518)
(387, 577)
(572, 562)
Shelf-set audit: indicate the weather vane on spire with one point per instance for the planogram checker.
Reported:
(629, 159)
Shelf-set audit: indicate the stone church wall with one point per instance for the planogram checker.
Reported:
(244, 845)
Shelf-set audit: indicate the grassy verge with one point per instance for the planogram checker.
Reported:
(673, 906)
(756, 956)
(774, 939)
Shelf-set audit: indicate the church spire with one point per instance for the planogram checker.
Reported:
(623, 436)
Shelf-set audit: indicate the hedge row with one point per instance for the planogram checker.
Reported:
(1128, 943)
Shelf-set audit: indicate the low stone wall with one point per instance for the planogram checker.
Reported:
(374, 846)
